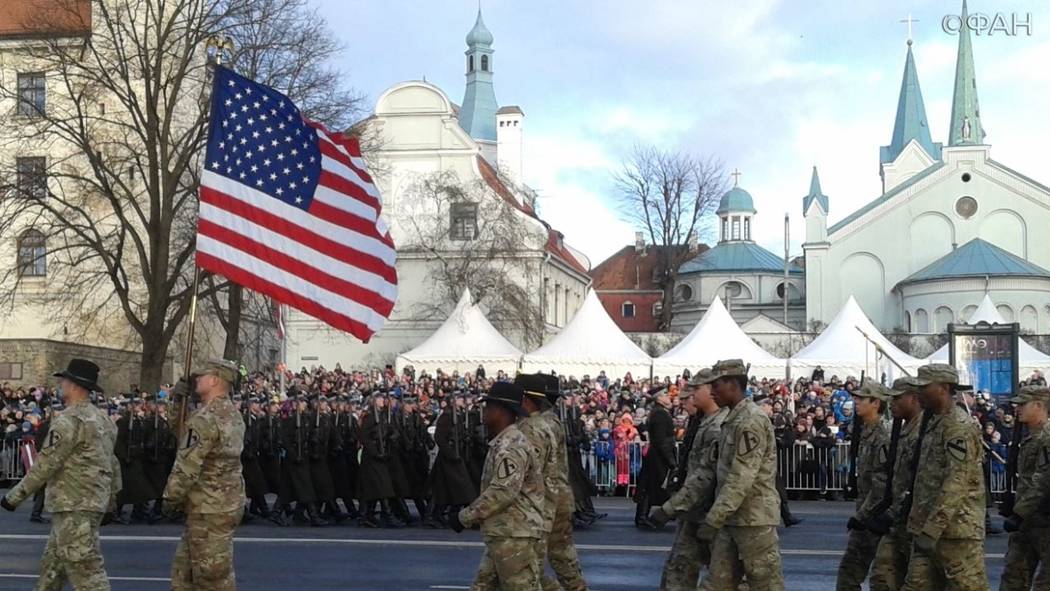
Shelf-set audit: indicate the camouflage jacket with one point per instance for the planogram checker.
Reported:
(512, 496)
(746, 492)
(544, 447)
(907, 447)
(698, 490)
(949, 493)
(207, 473)
(566, 503)
(76, 463)
(873, 465)
(1033, 478)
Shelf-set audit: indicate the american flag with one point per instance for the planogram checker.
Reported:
(289, 210)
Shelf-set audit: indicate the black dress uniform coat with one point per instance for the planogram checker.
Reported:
(660, 459)
(297, 484)
(373, 482)
(131, 451)
(450, 482)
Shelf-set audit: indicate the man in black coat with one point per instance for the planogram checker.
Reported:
(254, 479)
(450, 482)
(296, 481)
(374, 485)
(321, 434)
(414, 451)
(659, 460)
(130, 450)
(159, 446)
(577, 441)
(342, 456)
(38, 500)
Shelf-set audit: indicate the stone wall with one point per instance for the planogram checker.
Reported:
(42, 357)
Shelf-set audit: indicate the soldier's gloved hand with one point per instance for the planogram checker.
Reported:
(706, 533)
(454, 523)
(1012, 523)
(180, 390)
(880, 524)
(6, 504)
(855, 524)
(925, 543)
(658, 518)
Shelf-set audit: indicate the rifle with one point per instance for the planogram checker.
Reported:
(298, 434)
(877, 514)
(854, 449)
(1006, 504)
(379, 430)
(156, 438)
(910, 496)
(455, 429)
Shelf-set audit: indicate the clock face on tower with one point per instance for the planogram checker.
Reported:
(966, 207)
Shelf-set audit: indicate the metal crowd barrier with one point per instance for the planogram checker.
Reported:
(10, 461)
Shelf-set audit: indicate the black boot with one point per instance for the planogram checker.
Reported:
(351, 509)
(259, 507)
(385, 516)
(315, 516)
(641, 513)
(402, 512)
(333, 513)
(277, 516)
(299, 515)
(156, 514)
(368, 514)
(428, 516)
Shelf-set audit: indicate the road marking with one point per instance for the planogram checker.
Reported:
(134, 579)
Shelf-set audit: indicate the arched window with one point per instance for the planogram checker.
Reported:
(484, 63)
(1006, 312)
(725, 228)
(627, 310)
(470, 63)
(907, 321)
(942, 317)
(32, 251)
(922, 322)
(747, 228)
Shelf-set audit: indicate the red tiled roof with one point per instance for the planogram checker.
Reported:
(627, 267)
(44, 18)
(555, 239)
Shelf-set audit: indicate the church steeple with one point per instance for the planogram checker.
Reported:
(815, 194)
(966, 113)
(477, 115)
(911, 123)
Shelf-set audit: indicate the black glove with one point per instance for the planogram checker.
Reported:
(1012, 523)
(706, 533)
(880, 524)
(1006, 507)
(454, 523)
(658, 518)
(855, 524)
(180, 390)
(6, 504)
(925, 543)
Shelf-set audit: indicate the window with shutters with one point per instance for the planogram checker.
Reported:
(32, 94)
(464, 221)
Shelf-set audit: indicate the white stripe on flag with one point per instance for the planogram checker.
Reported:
(349, 175)
(344, 202)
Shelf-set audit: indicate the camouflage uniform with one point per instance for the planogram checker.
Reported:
(561, 550)
(894, 550)
(1028, 550)
(544, 448)
(510, 511)
(690, 503)
(206, 484)
(83, 478)
(746, 510)
(948, 504)
(872, 470)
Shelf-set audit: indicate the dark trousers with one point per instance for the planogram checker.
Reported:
(38, 502)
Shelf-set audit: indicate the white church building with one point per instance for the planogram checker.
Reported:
(421, 134)
(951, 225)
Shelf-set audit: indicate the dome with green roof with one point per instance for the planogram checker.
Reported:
(480, 34)
(736, 199)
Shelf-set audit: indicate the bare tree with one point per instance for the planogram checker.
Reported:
(473, 239)
(668, 194)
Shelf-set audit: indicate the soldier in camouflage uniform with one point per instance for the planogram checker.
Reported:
(947, 513)
(690, 503)
(894, 550)
(510, 507)
(1028, 553)
(206, 484)
(545, 435)
(741, 524)
(872, 466)
(83, 478)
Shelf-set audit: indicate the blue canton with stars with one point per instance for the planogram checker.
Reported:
(258, 138)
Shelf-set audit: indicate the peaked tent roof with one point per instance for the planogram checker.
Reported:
(911, 123)
(590, 343)
(465, 340)
(843, 351)
(977, 258)
(1028, 356)
(717, 336)
(737, 256)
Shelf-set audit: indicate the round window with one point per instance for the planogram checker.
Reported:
(966, 207)
(684, 292)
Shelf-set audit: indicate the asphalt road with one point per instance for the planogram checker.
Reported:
(615, 555)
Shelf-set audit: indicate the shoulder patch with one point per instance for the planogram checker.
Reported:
(192, 439)
(506, 468)
(746, 442)
(956, 449)
(53, 437)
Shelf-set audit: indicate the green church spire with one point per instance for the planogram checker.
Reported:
(966, 113)
(815, 194)
(911, 123)
(477, 115)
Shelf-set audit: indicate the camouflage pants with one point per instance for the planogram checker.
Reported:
(954, 565)
(204, 559)
(1027, 552)
(72, 554)
(561, 553)
(509, 564)
(740, 551)
(891, 560)
(688, 555)
(856, 562)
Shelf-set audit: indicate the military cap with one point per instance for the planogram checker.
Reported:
(409, 399)
(1032, 394)
(902, 386)
(728, 368)
(702, 377)
(552, 387)
(873, 389)
(226, 371)
(939, 373)
(533, 384)
(506, 394)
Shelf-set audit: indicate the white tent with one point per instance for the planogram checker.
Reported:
(590, 343)
(850, 344)
(465, 341)
(1029, 358)
(717, 337)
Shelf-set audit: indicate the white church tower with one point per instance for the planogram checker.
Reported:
(815, 210)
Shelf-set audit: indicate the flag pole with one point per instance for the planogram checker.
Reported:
(188, 360)
(284, 345)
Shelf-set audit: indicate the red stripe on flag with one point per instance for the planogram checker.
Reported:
(342, 252)
(344, 218)
(336, 154)
(254, 282)
(297, 267)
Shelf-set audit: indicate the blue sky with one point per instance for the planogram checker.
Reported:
(766, 86)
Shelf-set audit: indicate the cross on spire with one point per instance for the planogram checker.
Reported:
(909, 20)
(736, 176)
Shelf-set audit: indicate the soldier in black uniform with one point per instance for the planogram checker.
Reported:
(270, 450)
(659, 460)
(254, 480)
(342, 456)
(137, 489)
(450, 482)
(576, 440)
(374, 485)
(477, 442)
(297, 484)
(396, 466)
(415, 452)
(320, 447)
(159, 448)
